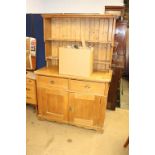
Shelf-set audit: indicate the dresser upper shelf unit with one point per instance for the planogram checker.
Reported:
(68, 30)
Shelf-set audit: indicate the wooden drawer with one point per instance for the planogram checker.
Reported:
(85, 86)
(31, 98)
(43, 81)
(30, 89)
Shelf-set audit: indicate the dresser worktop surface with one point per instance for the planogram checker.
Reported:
(30, 75)
(95, 76)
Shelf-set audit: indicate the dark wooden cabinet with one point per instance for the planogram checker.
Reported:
(119, 54)
(113, 96)
(120, 63)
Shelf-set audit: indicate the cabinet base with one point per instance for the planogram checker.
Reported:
(98, 129)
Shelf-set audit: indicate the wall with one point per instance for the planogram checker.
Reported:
(34, 28)
(69, 6)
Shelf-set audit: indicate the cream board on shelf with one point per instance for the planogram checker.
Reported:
(76, 62)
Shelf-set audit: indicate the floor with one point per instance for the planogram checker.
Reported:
(49, 138)
(124, 94)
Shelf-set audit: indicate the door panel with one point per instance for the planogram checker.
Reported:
(84, 109)
(55, 104)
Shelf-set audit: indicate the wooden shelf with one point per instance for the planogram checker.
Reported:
(52, 58)
(73, 40)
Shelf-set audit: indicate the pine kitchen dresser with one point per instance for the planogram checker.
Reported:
(76, 100)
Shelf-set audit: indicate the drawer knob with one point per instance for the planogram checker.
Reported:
(28, 97)
(86, 86)
(70, 109)
(51, 82)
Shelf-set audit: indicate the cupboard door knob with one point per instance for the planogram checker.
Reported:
(70, 109)
(28, 89)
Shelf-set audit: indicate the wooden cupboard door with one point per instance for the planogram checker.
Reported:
(84, 109)
(54, 104)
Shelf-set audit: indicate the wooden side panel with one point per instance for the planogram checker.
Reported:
(47, 28)
(48, 49)
(106, 89)
(101, 111)
(40, 99)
